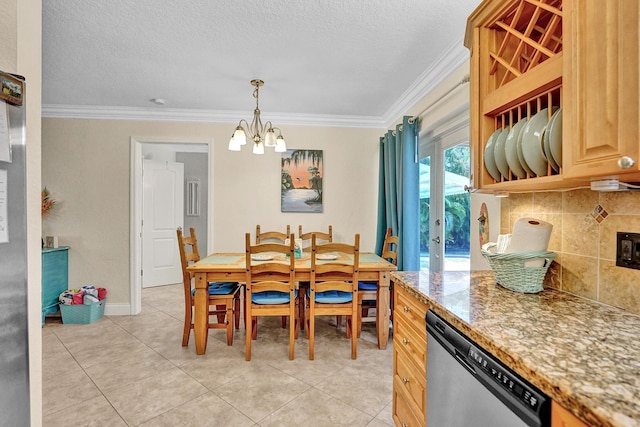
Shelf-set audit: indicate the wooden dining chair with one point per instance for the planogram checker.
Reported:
(333, 289)
(270, 287)
(224, 297)
(274, 237)
(271, 236)
(321, 236)
(367, 295)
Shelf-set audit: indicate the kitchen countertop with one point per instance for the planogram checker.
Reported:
(583, 354)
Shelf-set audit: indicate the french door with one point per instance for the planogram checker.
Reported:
(444, 205)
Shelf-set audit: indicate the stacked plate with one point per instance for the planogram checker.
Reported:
(489, 160)
(552, 140)
(527, 148)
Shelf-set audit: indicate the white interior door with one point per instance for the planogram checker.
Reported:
(162, 214)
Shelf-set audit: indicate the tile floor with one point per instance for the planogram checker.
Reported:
(133, 371)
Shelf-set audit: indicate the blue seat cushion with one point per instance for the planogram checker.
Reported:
(271, 297)
(332, 297)
(220, 288)
(367, 286)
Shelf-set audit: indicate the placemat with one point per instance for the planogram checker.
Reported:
(221, 259)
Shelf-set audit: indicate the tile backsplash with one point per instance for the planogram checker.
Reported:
(585, 224)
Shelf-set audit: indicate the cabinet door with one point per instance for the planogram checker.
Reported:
(561, 417)
(600, 118)
(55, 278)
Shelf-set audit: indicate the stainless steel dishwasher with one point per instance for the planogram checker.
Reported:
(467, 386)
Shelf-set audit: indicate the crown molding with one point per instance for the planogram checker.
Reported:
(442, 67)
(203, 116)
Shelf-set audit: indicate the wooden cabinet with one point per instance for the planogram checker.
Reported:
(530, 57)
(561, 417)
(409, 360)
(600, 121)
(55, 277)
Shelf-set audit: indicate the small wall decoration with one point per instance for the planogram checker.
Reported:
(12, 89)
(301, 183)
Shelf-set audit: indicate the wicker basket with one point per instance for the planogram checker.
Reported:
(511, 272)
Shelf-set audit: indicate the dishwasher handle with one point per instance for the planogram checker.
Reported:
(463, 361)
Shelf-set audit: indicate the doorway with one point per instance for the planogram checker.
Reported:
(445, 203)
(179, 151)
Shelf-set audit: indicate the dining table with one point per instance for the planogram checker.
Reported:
(231, 267)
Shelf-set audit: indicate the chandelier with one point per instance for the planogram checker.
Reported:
(263, 135)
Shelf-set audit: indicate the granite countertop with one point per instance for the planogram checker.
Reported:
(583, 354)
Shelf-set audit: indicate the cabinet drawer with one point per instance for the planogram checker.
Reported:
(414, 345)
(411, 379)
(403, 415)
(410, 309)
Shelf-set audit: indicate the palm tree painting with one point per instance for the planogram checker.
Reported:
(301, 183)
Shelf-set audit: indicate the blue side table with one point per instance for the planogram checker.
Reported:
(55, 277)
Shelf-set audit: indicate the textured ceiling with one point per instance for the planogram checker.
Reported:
(321, 60)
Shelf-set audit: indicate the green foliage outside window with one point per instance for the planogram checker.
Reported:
(457, 206)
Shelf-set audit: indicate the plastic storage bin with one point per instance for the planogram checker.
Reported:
(82, 313)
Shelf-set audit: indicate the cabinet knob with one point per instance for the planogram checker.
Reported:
(405, 341)
(405, 380)
(625, 162)
(405, 309)
(404, 425)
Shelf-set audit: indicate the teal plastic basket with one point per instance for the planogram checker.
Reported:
(82, 313)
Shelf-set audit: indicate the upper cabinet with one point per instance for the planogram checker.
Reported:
(554, 92)
(601, 89)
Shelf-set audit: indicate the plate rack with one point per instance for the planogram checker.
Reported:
(508, 118)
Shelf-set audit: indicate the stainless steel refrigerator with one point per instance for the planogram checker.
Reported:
(14, 349)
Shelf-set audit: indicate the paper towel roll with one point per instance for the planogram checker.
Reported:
(530, 235)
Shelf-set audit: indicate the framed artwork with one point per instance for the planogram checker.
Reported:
(12, 89)
(301, 183)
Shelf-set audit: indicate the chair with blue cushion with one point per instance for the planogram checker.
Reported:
(368, 291)
(272, 237)
(321, 237)
(333, 289)
(270, 287)
(224, 297)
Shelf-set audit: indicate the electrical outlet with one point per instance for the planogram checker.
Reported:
(628, 250)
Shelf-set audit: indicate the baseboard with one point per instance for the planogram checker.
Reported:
(117, 309)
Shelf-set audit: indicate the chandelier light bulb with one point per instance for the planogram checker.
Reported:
(270, 138)
(233, 145)
(281, 147)
(239, 136)
(258, 148)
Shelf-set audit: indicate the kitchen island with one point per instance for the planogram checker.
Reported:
(583, 354)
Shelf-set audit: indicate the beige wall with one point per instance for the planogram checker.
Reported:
(585, 242)
(86, 166)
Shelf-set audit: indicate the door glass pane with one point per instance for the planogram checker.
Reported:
(425, 184)
(457, 203)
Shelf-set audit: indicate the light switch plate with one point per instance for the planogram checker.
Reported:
(628, 250)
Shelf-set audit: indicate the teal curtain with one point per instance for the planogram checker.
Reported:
(398, 192)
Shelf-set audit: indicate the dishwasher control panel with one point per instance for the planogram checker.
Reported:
(505, 378)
